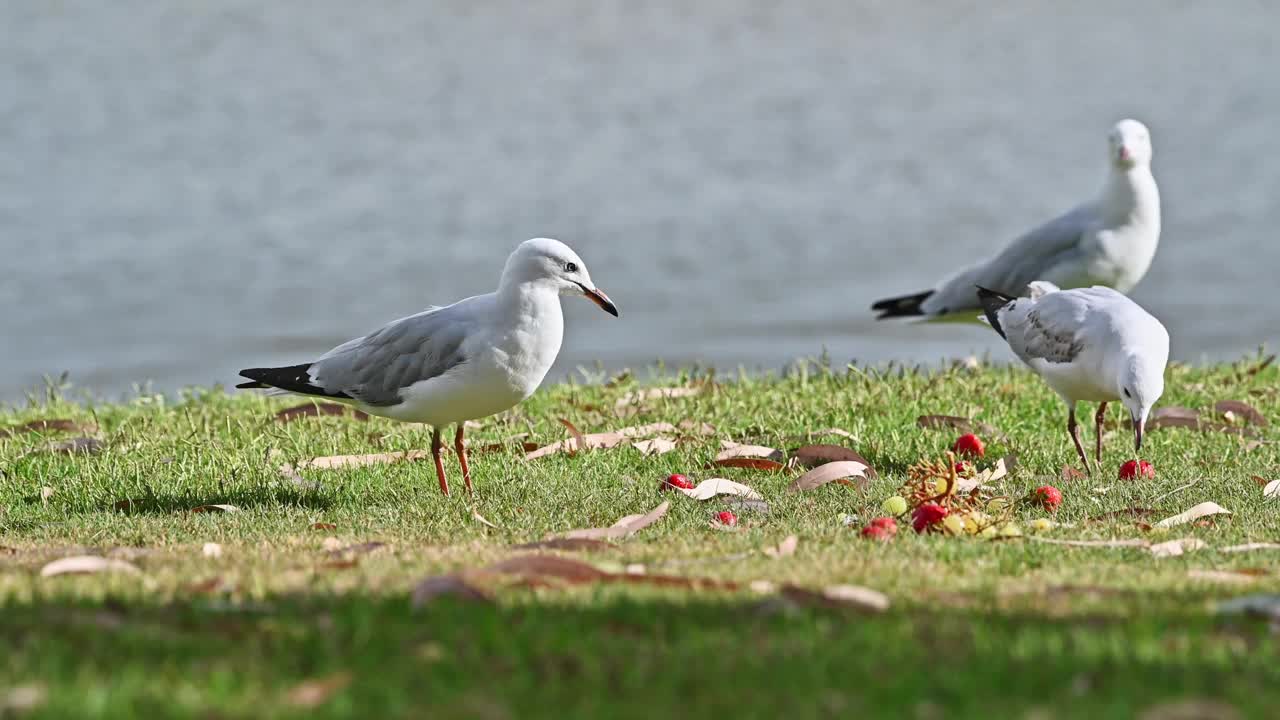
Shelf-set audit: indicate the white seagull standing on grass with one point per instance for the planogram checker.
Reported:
(1089, 344)
(1109, 241)
(447, 365)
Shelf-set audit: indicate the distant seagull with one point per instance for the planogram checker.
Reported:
(1109, 241)
(1088, 344)
(447, 365)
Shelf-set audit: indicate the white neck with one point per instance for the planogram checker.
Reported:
(1131, 197)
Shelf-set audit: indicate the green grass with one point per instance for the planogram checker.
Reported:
(977, 628)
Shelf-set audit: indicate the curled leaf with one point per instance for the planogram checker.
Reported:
(318, 409)
(708, 489)
(448, 586)
(1271, 489)
(831, 472)
(578, 440)
(814, 455)
(732, 451)
(656, 446)
(1204, 509)
(624, 527)
(1232, 409)
(86, 564)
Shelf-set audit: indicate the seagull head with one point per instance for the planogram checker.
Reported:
(1129, 145)
(551, 263)
(1141, 385)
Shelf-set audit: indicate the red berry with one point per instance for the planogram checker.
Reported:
(727, 518)
(679, 481)
(1049, 497)
(927, 515)
(962, 468)
(969, 444)
(1136, 469)
(882, 528)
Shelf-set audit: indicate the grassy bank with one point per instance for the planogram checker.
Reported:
(297, 600)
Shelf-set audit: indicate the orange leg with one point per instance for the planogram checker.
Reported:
(460, 447)
(436, 446)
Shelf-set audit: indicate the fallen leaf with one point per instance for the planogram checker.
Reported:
(831, 472)
(77, 446)
(692, 427)
(648, 394)
(332, 462)
(708, 489)
(548, 566)
(1204, 509)
(1272, 489)
(814, 455)
(481, 519)
(1174, 548)
(86, 564)
(1070, 473)
(215, 508)
(751, 464)
(323, 526)
(314, 693)
(1250, 547)
(578, 440)
(786, 548)
(623, 527)
(990, 475)
(656, 446)
(211, 550)
(732, 451)
(606, 440)
(448, 586)
(1237, 408)
(317, 409)
(56, 425)
(568, 544)
(838, 596)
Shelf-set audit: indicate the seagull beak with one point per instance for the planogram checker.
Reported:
(1137, 435)
(597, 296)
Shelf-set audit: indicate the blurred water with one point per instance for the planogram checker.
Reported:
(190, 188)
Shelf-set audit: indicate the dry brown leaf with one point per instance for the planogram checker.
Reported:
(332, 462)
(448, 586)
(215, 508)
(317, 409)
(578, 440)
(1204, 509)
(1250, 547)
(323, 526)
(1174, 548)
(814, 455)
(623, 528)
(990, 475)
(314, 693)
(731, 450)
(606, 440)
(44, 426)
(640, 396)
(708, 489)
(838, 596)
(1232, 409)
(656, 446)
(569, 545)
(86, 564)
(749, 463)
(831, 472)
(548, 566)
(786, 548)
(1271, 489)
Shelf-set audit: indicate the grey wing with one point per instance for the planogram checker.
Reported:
(375, 368)
(1052, 329)
(1053, 251)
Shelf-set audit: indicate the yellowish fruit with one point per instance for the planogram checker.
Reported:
(953, 524)
(896, 505)
(1042, 524)
(997, 506)
(1011, 530)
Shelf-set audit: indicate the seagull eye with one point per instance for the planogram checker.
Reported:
(571, 267)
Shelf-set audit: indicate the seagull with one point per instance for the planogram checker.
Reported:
(1088, 344)
(447, 365)
(1109, 241)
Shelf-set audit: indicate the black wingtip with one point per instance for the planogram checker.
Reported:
(992, 302)
(903, 306)
(294, 378)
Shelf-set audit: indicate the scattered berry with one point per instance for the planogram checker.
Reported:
(727, 518)
(969, 444)
(927, 515)
(882, 528)
(1135, 469)
(953, 524)
(1042, 524)
(896, 505)
(679, 481)
(962, 468)
(1048, 496)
